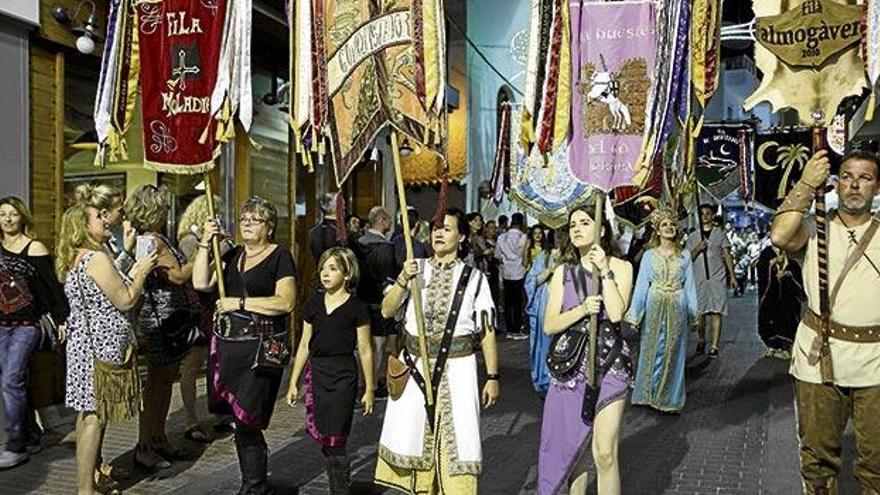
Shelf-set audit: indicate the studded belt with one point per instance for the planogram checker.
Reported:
(460, 346)
(848, 333)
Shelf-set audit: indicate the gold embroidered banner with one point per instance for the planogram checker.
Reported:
(810, 33)
(384, 66)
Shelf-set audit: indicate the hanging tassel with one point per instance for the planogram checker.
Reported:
(872, 102)
(442, 201)
(341, 233)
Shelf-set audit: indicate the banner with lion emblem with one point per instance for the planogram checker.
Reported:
(613, 49)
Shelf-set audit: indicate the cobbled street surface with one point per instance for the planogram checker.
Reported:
(736, 435)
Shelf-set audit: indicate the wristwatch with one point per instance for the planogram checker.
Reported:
(241, 303)
(609, 275)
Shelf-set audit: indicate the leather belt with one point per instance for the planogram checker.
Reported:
(460, 346)
(848, 333)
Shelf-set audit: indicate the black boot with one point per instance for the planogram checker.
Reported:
(253, 463)
(339, 474)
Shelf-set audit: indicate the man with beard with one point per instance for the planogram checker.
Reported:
(837, 366)
(438, 450)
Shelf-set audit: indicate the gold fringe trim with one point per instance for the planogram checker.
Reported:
(117, 389)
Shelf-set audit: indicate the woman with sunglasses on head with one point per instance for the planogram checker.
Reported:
(259, 278)
(28, 290)
(110, 204)
(99, 333)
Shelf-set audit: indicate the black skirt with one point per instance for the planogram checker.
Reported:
(235, 388)
(334, 393)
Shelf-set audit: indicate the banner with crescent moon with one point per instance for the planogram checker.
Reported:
(723, 159)
(780, 157)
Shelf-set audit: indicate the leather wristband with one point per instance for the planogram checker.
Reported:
(493, 376)
(799, 199)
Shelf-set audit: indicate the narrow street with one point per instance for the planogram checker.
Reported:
(737, 435)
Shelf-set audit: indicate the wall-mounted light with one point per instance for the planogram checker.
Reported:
(87, 33)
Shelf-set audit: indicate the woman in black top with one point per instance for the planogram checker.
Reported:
(259, 278)
(335, 322)
(28, 290)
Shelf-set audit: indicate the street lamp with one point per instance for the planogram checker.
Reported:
(87, 33)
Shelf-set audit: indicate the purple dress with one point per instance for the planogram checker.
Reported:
(564, 433)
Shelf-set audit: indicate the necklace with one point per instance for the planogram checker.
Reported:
(10, 242)
(254, 255)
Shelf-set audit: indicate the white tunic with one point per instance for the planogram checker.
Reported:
(855, 364)
(405, 441)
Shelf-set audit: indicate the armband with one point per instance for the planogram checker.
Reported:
(799, 199)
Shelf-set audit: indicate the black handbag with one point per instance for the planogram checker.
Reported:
(567, 349)
(180, 330)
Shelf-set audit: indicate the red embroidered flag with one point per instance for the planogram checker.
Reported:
(179, 45)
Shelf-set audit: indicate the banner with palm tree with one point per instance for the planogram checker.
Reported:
(780, 157)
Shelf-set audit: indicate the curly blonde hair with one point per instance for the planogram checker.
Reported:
(74, 236)
(27, 219)
(195, 214)
(101, 196)
(147, 208)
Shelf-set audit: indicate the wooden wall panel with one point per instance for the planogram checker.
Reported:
(46, 141)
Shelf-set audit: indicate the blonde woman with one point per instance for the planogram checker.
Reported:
(110, 203)
(335, 324)
(664, 305)
(189, 230)
(29, 290)
(165, 297)
(97, 327)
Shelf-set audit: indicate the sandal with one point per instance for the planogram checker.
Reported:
(105, 484)
(115, 473)
(197, 434)
(169, 451)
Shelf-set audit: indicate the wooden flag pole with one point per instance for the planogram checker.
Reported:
(415, 290)
(215, 241)
(819, 143)
(594, 319)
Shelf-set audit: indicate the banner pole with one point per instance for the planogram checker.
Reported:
(215, 241)
(594, 319)
(415, 290)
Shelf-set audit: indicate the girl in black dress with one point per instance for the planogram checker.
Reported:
(335, 322)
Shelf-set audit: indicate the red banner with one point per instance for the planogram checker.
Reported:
(179, 47)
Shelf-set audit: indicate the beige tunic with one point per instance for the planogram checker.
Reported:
(857, 304)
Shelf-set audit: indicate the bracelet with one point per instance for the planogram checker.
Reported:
(609, 275)
(493, 376)
(402, 285)
(204, 245)
(241, 303)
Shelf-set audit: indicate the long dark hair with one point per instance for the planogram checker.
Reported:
(570, 254)
(530, 244)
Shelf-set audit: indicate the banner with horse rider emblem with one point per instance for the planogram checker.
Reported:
(613, 50)
(723, 159)
(179, 48)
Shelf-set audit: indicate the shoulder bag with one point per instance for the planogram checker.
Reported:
(567, 348)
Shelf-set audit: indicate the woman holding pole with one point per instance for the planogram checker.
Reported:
(569, 419)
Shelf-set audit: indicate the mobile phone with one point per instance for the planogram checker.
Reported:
(146, 245)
